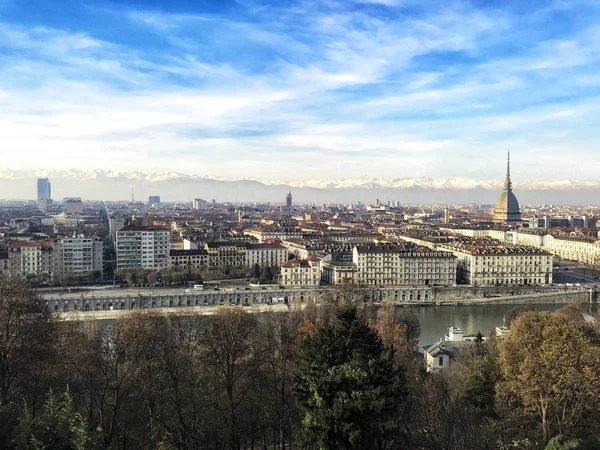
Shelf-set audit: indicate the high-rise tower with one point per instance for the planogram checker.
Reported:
(43, 189)
(507, 208)
(288, 199)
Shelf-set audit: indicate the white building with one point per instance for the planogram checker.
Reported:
(199, 204)
(266, 255)
(499, 264)
(438, 355)
(77, 255)
(143, 247)
(391, 265)
(301, 272)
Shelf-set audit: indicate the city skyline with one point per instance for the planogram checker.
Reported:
(287, 92)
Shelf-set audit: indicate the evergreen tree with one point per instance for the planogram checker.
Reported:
(59, 427)
(348, 391)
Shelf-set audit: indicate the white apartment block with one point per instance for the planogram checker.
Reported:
(200, 204)
(582, 249)
(266, 255)
(77, 255)
(143, 247)
(427, 267)
(492, 265)
(391, 265)
(301, 273)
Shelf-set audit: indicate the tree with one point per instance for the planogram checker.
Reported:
(130, 277)
(267, 275)
(278, 338)
(515, 312)
(256, 271)
(229, 356)
(348, 390)
(59, 427)
(551, 373)
(151, 277)
(562, 443)
(27, 337)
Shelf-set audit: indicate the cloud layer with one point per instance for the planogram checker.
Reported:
(309, 90)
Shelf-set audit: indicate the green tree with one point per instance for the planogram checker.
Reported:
(551, 373)
(348, 390)
(267, 275)
(256, 271)
(58, 427)
(562, 443)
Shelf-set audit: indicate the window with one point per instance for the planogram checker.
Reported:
(441, 361)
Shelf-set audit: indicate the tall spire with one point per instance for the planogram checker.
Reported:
(507, 182)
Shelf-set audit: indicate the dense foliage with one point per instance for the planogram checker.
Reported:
(337, 376)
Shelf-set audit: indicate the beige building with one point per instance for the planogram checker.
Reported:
(391, 265)
(338, 272)
(498, 264)
(573, 247)
(31, 258)
(183, 260)
(226, 255)
(301, 272)
(266, 255)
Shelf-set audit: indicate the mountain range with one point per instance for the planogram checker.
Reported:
(174, 186)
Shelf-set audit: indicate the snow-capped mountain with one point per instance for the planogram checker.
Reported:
(342, 183)
(173, 186)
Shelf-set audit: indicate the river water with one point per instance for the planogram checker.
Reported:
(435, 320)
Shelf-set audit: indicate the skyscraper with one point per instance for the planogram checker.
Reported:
(43, 189)
(153, 200)
(507, 208)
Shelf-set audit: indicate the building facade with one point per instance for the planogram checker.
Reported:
(188, 260)
(266, 255)
(31, 258)
(143, 247)
(300, 273)
(392, 265)
(493, 265)
(77, 255)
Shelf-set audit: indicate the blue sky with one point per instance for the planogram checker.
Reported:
(302, 90)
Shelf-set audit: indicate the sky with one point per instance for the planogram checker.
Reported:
(302, 90)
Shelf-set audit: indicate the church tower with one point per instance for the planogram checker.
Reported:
(507, 208)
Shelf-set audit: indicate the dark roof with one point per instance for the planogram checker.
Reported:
(273, 245)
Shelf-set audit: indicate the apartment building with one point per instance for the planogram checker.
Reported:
(574, 247)
(393, 265)
(499, 264)
(144, 247)
(427, 267)
(300, 272)
(77, 255)
(31, 258)
(226, 255)
(183, 260)
(266, 255)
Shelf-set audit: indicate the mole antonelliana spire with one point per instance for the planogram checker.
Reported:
(507, 208)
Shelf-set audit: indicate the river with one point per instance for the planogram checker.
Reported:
(435, 320)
